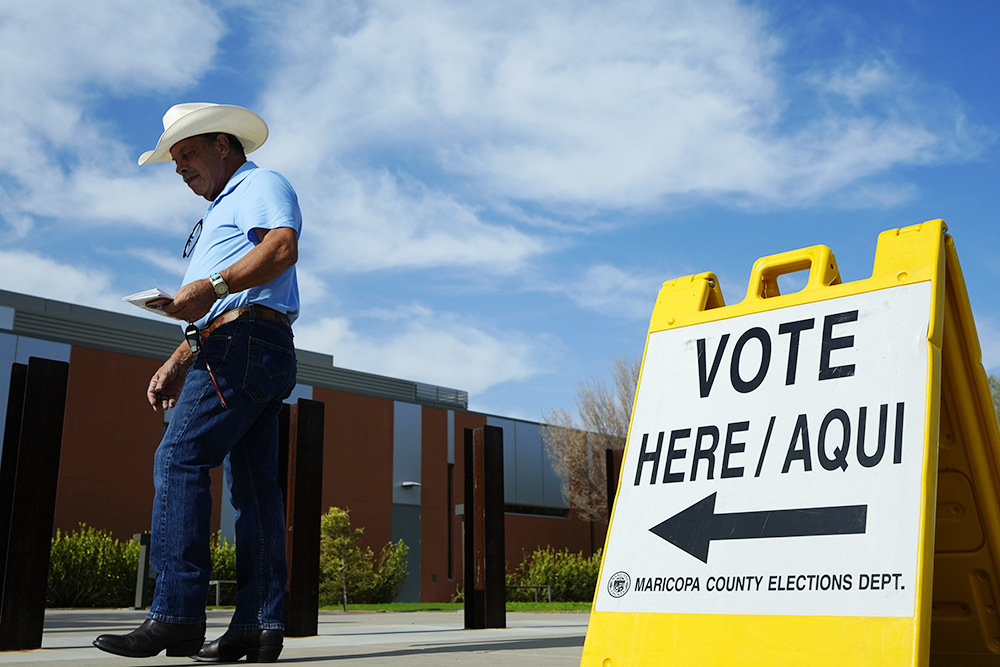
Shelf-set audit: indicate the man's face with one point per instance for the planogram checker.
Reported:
(201, 165)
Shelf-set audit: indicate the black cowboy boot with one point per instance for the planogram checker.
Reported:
(256, 645)
(152, 637)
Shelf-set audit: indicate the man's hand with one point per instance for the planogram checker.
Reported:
(166, 384)
(192, 301)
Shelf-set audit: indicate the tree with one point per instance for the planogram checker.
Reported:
(995, 393)
(350, 572)
(577, 450)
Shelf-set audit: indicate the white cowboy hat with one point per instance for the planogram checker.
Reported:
(193, 118)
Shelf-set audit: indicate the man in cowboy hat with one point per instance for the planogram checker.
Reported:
(235, 369)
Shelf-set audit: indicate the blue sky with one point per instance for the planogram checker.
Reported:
(493, 192)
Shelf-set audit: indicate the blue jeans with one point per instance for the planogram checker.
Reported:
(254, 364)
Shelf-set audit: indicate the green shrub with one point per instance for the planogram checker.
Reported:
(388, 574)
(224, 569)
(90, 568)
(573, 577)
(350, 573)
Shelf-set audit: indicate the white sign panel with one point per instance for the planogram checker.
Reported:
(774, 464)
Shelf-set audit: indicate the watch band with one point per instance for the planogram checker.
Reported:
(219, 285)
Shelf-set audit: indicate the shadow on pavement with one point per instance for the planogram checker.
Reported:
(510, 645)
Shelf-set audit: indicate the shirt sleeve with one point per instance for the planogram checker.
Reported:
(269, 203)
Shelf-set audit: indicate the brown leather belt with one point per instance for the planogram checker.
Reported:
(252, 312)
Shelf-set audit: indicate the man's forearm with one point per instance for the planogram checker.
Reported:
(276, 253)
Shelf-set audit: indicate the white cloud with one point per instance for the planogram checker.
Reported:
(613, 291)
(172, 264)
(52, 45)
(57, 158)
(586, 106)
(870, 78)
(156, 199)
(312, 290)
(362, 222)
(446, 134)
(38, 275)
(834, 153)
(418, 344)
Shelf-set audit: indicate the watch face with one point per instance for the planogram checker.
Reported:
(221, 288)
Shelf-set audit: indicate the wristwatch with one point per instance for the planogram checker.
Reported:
(220, 286)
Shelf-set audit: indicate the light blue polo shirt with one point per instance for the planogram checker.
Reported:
(253, 198)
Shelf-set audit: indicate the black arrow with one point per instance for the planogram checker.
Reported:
(694, 529)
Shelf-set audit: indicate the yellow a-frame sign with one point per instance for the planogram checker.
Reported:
(811, 478)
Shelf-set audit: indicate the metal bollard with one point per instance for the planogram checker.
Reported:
(142, 572)
(32, 502)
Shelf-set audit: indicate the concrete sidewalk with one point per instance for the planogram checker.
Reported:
(414, 639)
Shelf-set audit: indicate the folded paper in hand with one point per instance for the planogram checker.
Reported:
(152, 300)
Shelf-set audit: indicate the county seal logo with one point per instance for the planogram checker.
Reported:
(619, 584)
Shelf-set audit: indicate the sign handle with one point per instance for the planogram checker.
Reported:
(818, 260)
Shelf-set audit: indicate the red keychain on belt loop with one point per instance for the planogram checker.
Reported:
(193, 337)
